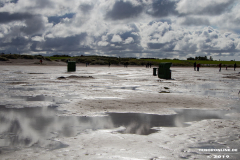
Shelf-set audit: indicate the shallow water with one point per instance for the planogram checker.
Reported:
(39, 126)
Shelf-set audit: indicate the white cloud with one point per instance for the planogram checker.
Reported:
(116, 39)
(129, 40)
(209, 26)
(37, 38)
(102, 43)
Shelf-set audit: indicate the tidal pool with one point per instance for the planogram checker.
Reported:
(39, 126)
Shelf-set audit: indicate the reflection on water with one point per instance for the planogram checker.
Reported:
(39, 126)
(143, 124)
(25, 127)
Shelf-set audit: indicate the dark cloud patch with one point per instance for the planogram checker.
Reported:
(236, 20)
(123, 10)
(211, 9)
(33, 46)
(16, 45)
(57, 19)
(67, 43)
(44, 4)
(132, 33)
(13, 1)
(162, 8)
(6, 17)
(207, 48)
(216, 9)
(34, 25)
(135, 37)
(11, 49)
(233, 19)
(3, 3)
(19, 41)
(220, 51)
(133, 46)
(85, 8)
(195, 21)
(155, 45)
(16, 41)
(237, 30)
(162, 46)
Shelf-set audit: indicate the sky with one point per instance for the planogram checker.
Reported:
(122, 28)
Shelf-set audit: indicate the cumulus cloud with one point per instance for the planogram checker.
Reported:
(58, 19)
(204, 7)
(66, 43)
(102, 43)
(33, 25)
(162, 8)
(123, 9)
(116, 39)
(157, 28)
(129, 40)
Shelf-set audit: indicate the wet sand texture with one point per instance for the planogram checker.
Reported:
(117, 113)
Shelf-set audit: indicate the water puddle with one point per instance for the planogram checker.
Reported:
(58, 100)
(39, 127)
(114, 87)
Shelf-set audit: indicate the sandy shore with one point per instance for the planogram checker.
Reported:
(126, 90)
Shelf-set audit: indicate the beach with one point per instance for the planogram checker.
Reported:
(101, 112)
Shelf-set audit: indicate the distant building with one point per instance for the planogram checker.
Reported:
(190, 58)
(201, 58)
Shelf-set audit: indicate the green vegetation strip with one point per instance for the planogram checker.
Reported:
(103, 60)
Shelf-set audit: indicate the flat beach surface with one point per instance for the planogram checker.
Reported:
(101, 112)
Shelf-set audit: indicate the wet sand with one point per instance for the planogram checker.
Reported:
(123, 90)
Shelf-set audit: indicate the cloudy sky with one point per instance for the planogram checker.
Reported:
(125, 28)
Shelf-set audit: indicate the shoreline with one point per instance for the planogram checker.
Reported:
(36, 62)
